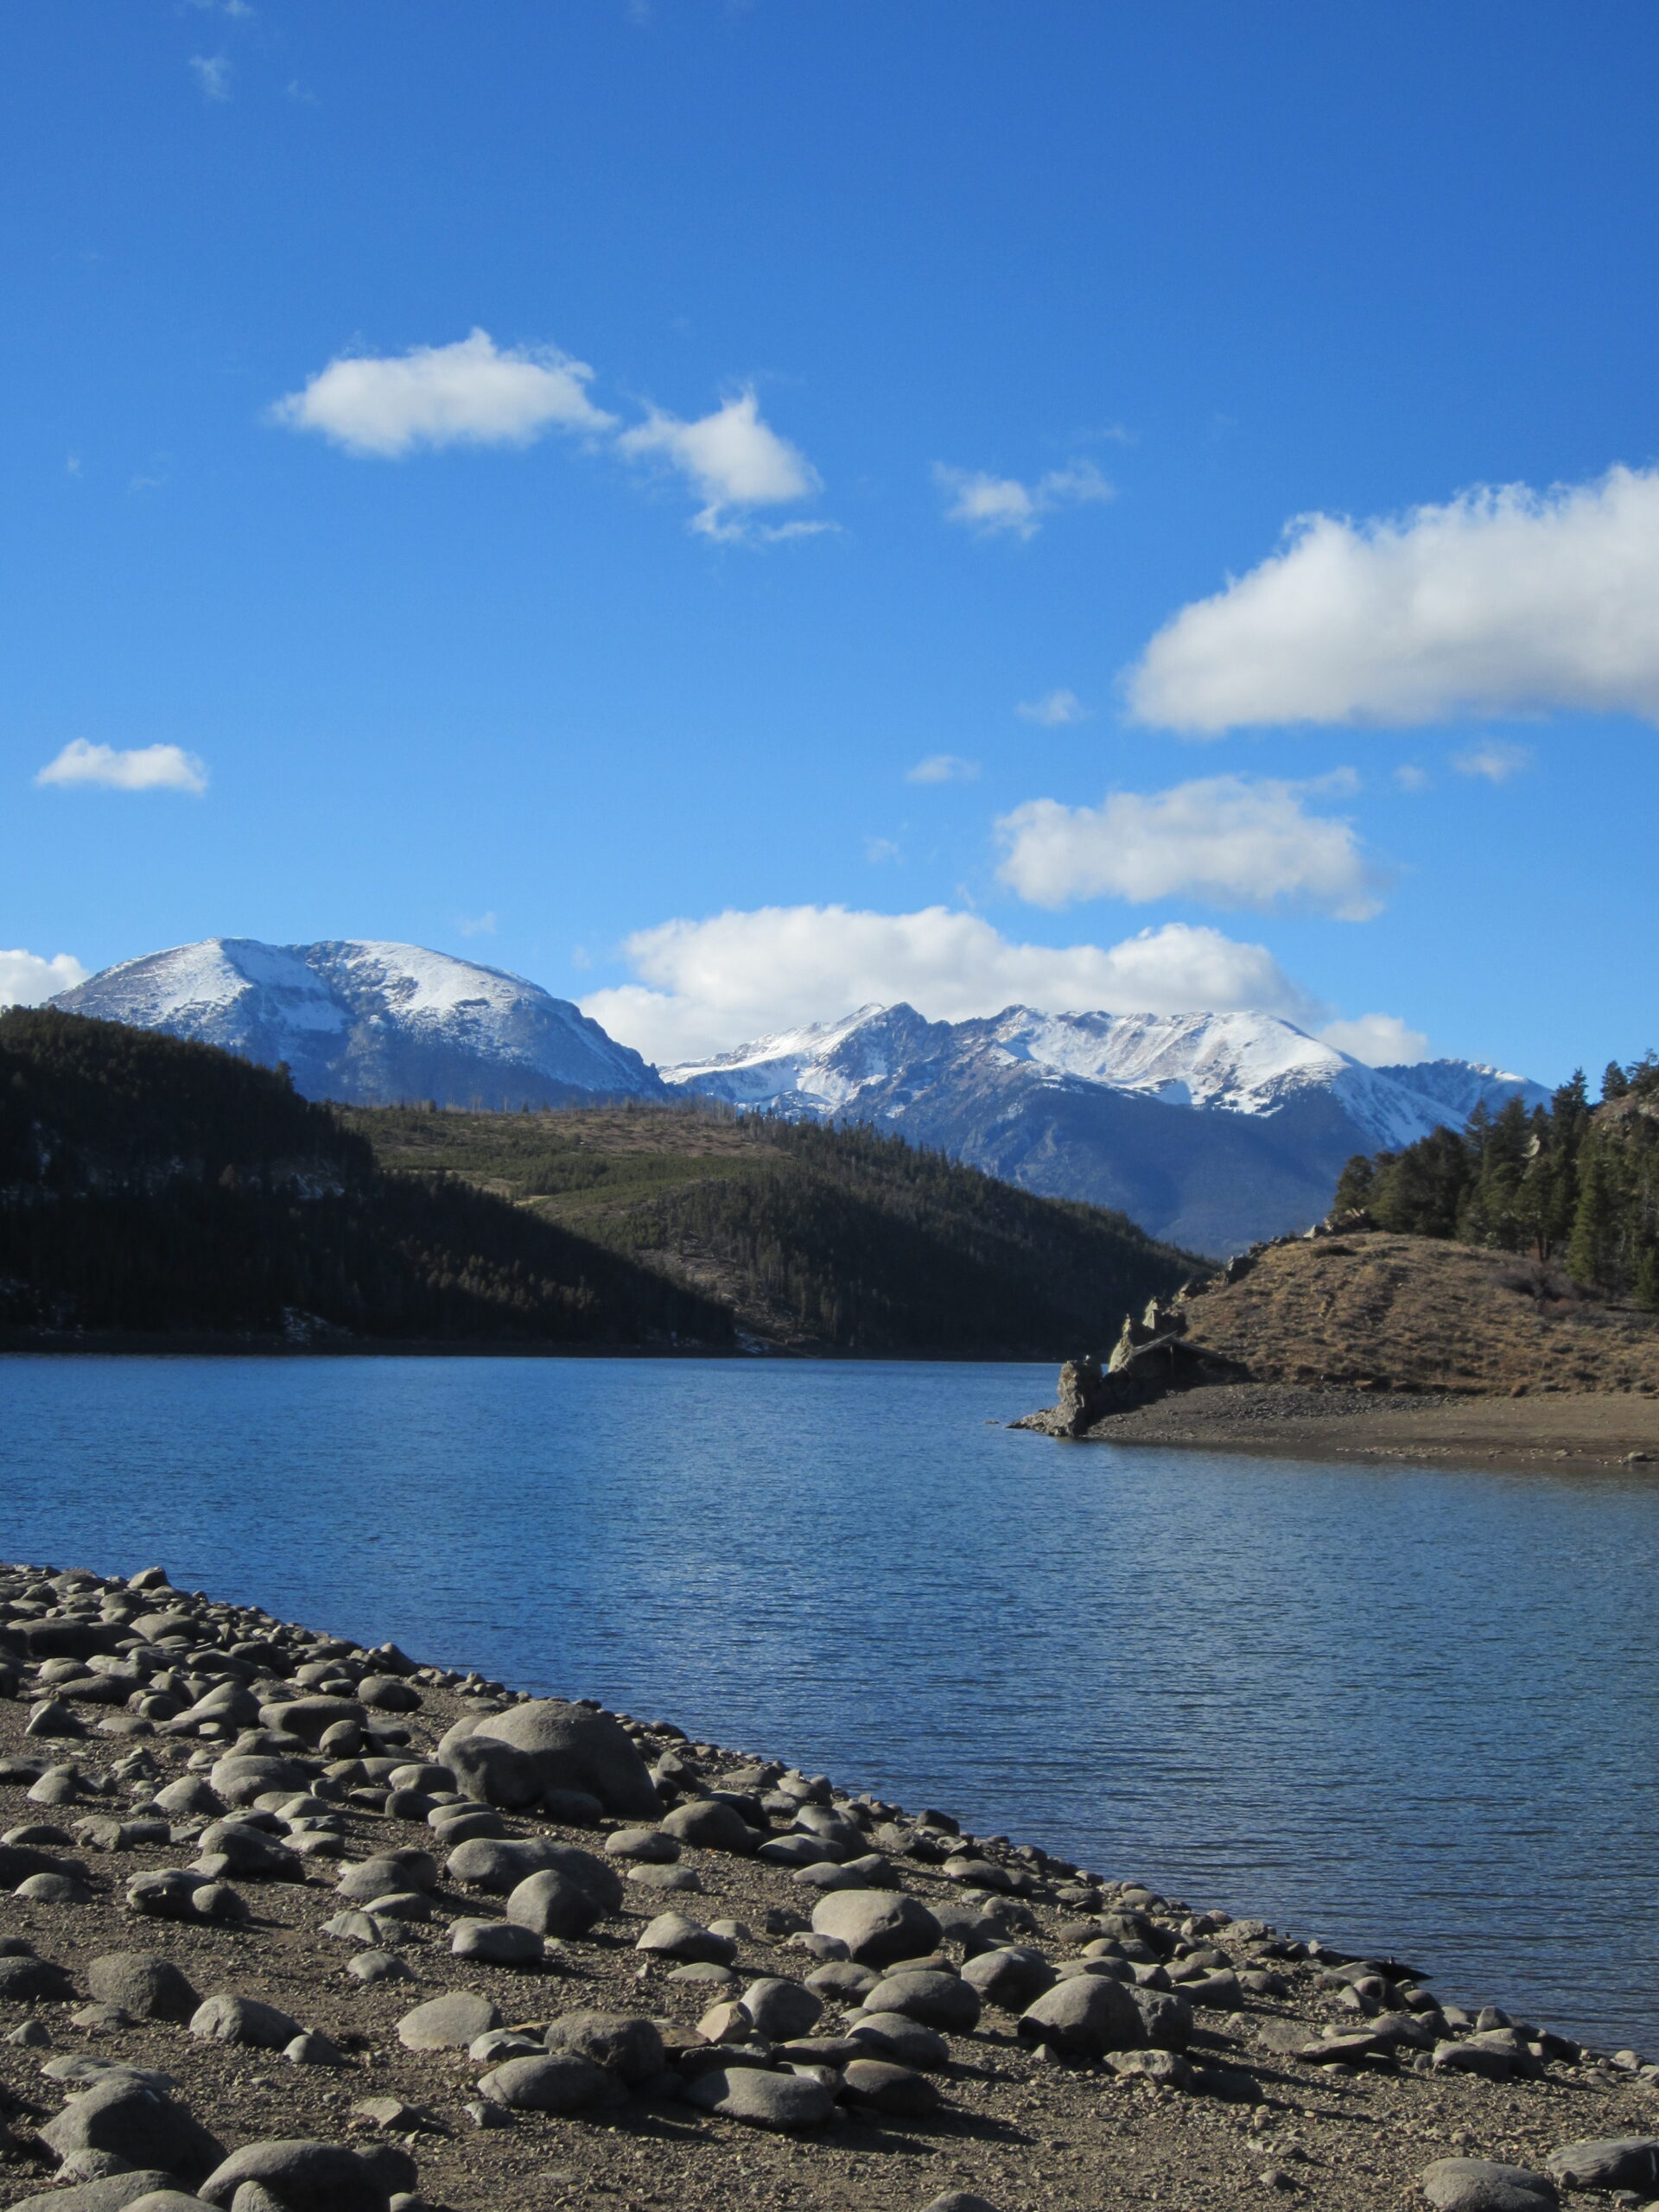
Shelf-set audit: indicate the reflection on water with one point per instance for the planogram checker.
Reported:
(1400, 1709)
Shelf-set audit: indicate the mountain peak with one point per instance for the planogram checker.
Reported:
(366, 1020)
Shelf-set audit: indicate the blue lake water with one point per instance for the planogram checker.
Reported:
(1411, 1710)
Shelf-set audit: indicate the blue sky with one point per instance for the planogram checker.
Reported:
(849, 377)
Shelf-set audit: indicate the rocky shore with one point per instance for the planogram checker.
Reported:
(291, 1926)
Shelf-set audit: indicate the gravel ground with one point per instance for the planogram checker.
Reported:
(1016, 2125)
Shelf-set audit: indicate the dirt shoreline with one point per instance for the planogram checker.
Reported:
(1297, 2072)
(1286, 1420)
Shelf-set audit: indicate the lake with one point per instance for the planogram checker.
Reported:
(1395, 1708)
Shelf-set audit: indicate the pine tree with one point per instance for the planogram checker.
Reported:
(1615, 1084)
(1589, 1251)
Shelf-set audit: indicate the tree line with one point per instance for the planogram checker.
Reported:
(1571, 1182)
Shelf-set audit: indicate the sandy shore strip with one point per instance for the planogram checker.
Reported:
(1283, 1420)
(286, 1924)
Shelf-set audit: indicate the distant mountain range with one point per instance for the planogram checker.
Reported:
(1209, 1129)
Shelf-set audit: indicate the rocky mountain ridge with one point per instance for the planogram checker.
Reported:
(1210, 1129)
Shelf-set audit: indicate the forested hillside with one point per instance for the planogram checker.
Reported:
(811, 1236)
(155, 1188)
(1569, 1182)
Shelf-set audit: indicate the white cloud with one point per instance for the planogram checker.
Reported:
(732, 458)
(1380, 1040)
(27, 978)
(1494, 760)
(470, 393)
(141, 768)
(212, 74)
(942, 768)
(878, 849)
(1411, 778)
(476, 925)
(988, 504)
(1502, 602)
(707, 985)
(1228, 841)
(1054, 710)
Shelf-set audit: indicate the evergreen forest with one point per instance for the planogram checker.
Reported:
(1571, 1182)
(152, 1187)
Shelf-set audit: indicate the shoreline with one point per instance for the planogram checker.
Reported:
(1293, 1421)
(134, 1345)
(1057, 2036)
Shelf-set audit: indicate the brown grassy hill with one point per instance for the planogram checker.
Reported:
(1415, 1313)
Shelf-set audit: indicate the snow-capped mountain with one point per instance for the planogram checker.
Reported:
(1208, 1128)
(369, 1023)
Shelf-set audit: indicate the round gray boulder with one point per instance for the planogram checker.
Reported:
(498, 1942)
(301, 2176)
(763, 2099)
(563, 2081)
(671, 1935)
(577, 1747)
(781, 2010)
(1084, 2018)
(1610, 2161)
(712, 1825)
(1477, 2185)
(447, 2023)
(628, 2044)
(245, 2020)
(1009, 1979)
(143, 1984)
(899, 2091)
(498, 1864)
(945, 2001)
(490, 1769)
(138, 2122)
(877, 1926)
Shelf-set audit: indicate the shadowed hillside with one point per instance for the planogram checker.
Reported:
(812, 1236)
(159, 1189)
(155, 1187)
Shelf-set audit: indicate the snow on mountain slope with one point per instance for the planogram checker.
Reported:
(1232, 1063)
(1211, 1128)
(366, 1021)
(1457, 1087)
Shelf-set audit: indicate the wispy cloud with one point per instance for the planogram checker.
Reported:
(29, 978)
(734, 462)
(942, 768)
(469, 393)
(1054, 710)
(991, 505)
(1410, 777)
(140, 768)
(879, 850)
(212, 75)
(476, 925)
(1502, 602)
(1493, 760)
(1228, 841)
(706, 985)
